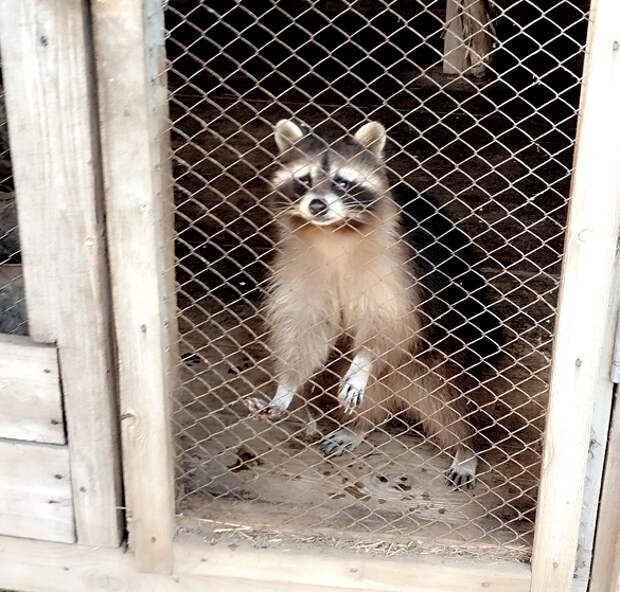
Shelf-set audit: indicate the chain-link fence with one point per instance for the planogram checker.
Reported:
(12, 302)
(479, 163)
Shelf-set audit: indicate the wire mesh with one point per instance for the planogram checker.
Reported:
(486, 157)
(12, 301)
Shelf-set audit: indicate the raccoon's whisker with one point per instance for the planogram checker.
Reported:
(282, 203)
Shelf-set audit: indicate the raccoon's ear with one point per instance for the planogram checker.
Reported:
(372, 136)
(286, 134)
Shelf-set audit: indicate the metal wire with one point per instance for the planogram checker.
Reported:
(12, 301)
(493, 153)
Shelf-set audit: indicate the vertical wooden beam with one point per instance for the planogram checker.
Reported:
(600, 443)
(46, 59)
(454, 50)
(582, 335)
(129, 45)
(606, 561)
(468, 39)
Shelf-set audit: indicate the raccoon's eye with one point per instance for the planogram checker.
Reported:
(302, 184)
(342, 183)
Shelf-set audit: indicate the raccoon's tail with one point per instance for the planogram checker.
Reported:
(455, 298)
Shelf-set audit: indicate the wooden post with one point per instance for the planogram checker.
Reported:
(129, 45)
(454, 50)
(468, 40)
(46, 60)
(582, 333)
(606, 560)
(601, 444)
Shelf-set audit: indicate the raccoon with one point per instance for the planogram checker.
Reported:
(347, 267)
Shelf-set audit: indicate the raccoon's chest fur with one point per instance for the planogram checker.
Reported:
(348, 279)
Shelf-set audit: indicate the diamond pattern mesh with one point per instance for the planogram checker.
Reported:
(12, 303)
(491, 148)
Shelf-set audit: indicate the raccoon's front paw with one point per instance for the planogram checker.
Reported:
(462, 474)
(263, 408)
(340, 441)
(352, 388)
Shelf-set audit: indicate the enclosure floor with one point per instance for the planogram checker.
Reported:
(250, 478)
(390, 497)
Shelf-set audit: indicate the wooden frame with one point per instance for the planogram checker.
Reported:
(600, 499)
(54, 143)
(606, 561)
(49, 567)
(584, 335)
(63, 193)
(133, 152)
(605, 574)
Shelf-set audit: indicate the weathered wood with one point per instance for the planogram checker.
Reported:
(129, 38)
(469, 36)
(53, 128)
(587, 290)
(606, 560)
(30, 398)
(35, 491)
(345, 570)
(47, 567)
(599, 445)
(454, 52)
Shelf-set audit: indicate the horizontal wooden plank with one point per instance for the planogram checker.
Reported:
(341, 570)
(35, 491)
(30, 395)
(49, 567)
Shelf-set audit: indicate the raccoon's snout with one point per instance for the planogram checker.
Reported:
(317, 207)
(322, 210)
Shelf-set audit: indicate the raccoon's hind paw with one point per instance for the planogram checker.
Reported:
(462, 474)
(263, 408)
(340, 441)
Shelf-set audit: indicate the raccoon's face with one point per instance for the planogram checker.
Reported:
(329, 183)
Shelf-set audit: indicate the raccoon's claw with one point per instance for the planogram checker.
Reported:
(263, 408)
(351, 396)
(352, 389)
(461, 479)
(462, 474)
(340, 441)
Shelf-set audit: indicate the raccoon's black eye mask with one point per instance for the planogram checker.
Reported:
(302, 184)
(342, 184)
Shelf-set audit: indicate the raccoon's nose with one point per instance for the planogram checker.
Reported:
(317, 206)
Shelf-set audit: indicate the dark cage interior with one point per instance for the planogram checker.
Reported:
(12, 299)
(492, 148)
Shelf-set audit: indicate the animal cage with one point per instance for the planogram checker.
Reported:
(489, 150)
(152, 145)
